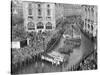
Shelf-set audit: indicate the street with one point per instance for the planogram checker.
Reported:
(75, 57)
(79, 53)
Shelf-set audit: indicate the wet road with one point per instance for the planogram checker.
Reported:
(42, 67)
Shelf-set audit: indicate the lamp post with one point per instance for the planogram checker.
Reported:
(43, 43)
(72, 31)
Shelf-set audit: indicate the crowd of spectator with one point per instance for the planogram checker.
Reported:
(35, 47)
(90, 63)
(24, 55)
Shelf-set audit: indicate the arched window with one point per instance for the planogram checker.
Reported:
(40, 25)
(31, 26)
(49, 25)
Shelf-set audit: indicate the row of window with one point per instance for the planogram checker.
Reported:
(39, 24)
(39, 18)
(90, 11)
(39, 9)
(89, 24)
(39, 5)
(39, 12)
(39, 27)
(31, 26)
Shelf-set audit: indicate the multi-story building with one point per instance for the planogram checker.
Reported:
(90, 19)
(71, 9)
(16, 8)
(39, 16)
(59, 9)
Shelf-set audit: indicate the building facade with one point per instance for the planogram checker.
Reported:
(90, 19)
(39, 16)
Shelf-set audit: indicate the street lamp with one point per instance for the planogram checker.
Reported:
(72, 31)
(44, 43)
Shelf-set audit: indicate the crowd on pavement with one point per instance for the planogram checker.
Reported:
(89, 63)
(37, 45)
(23, 55)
